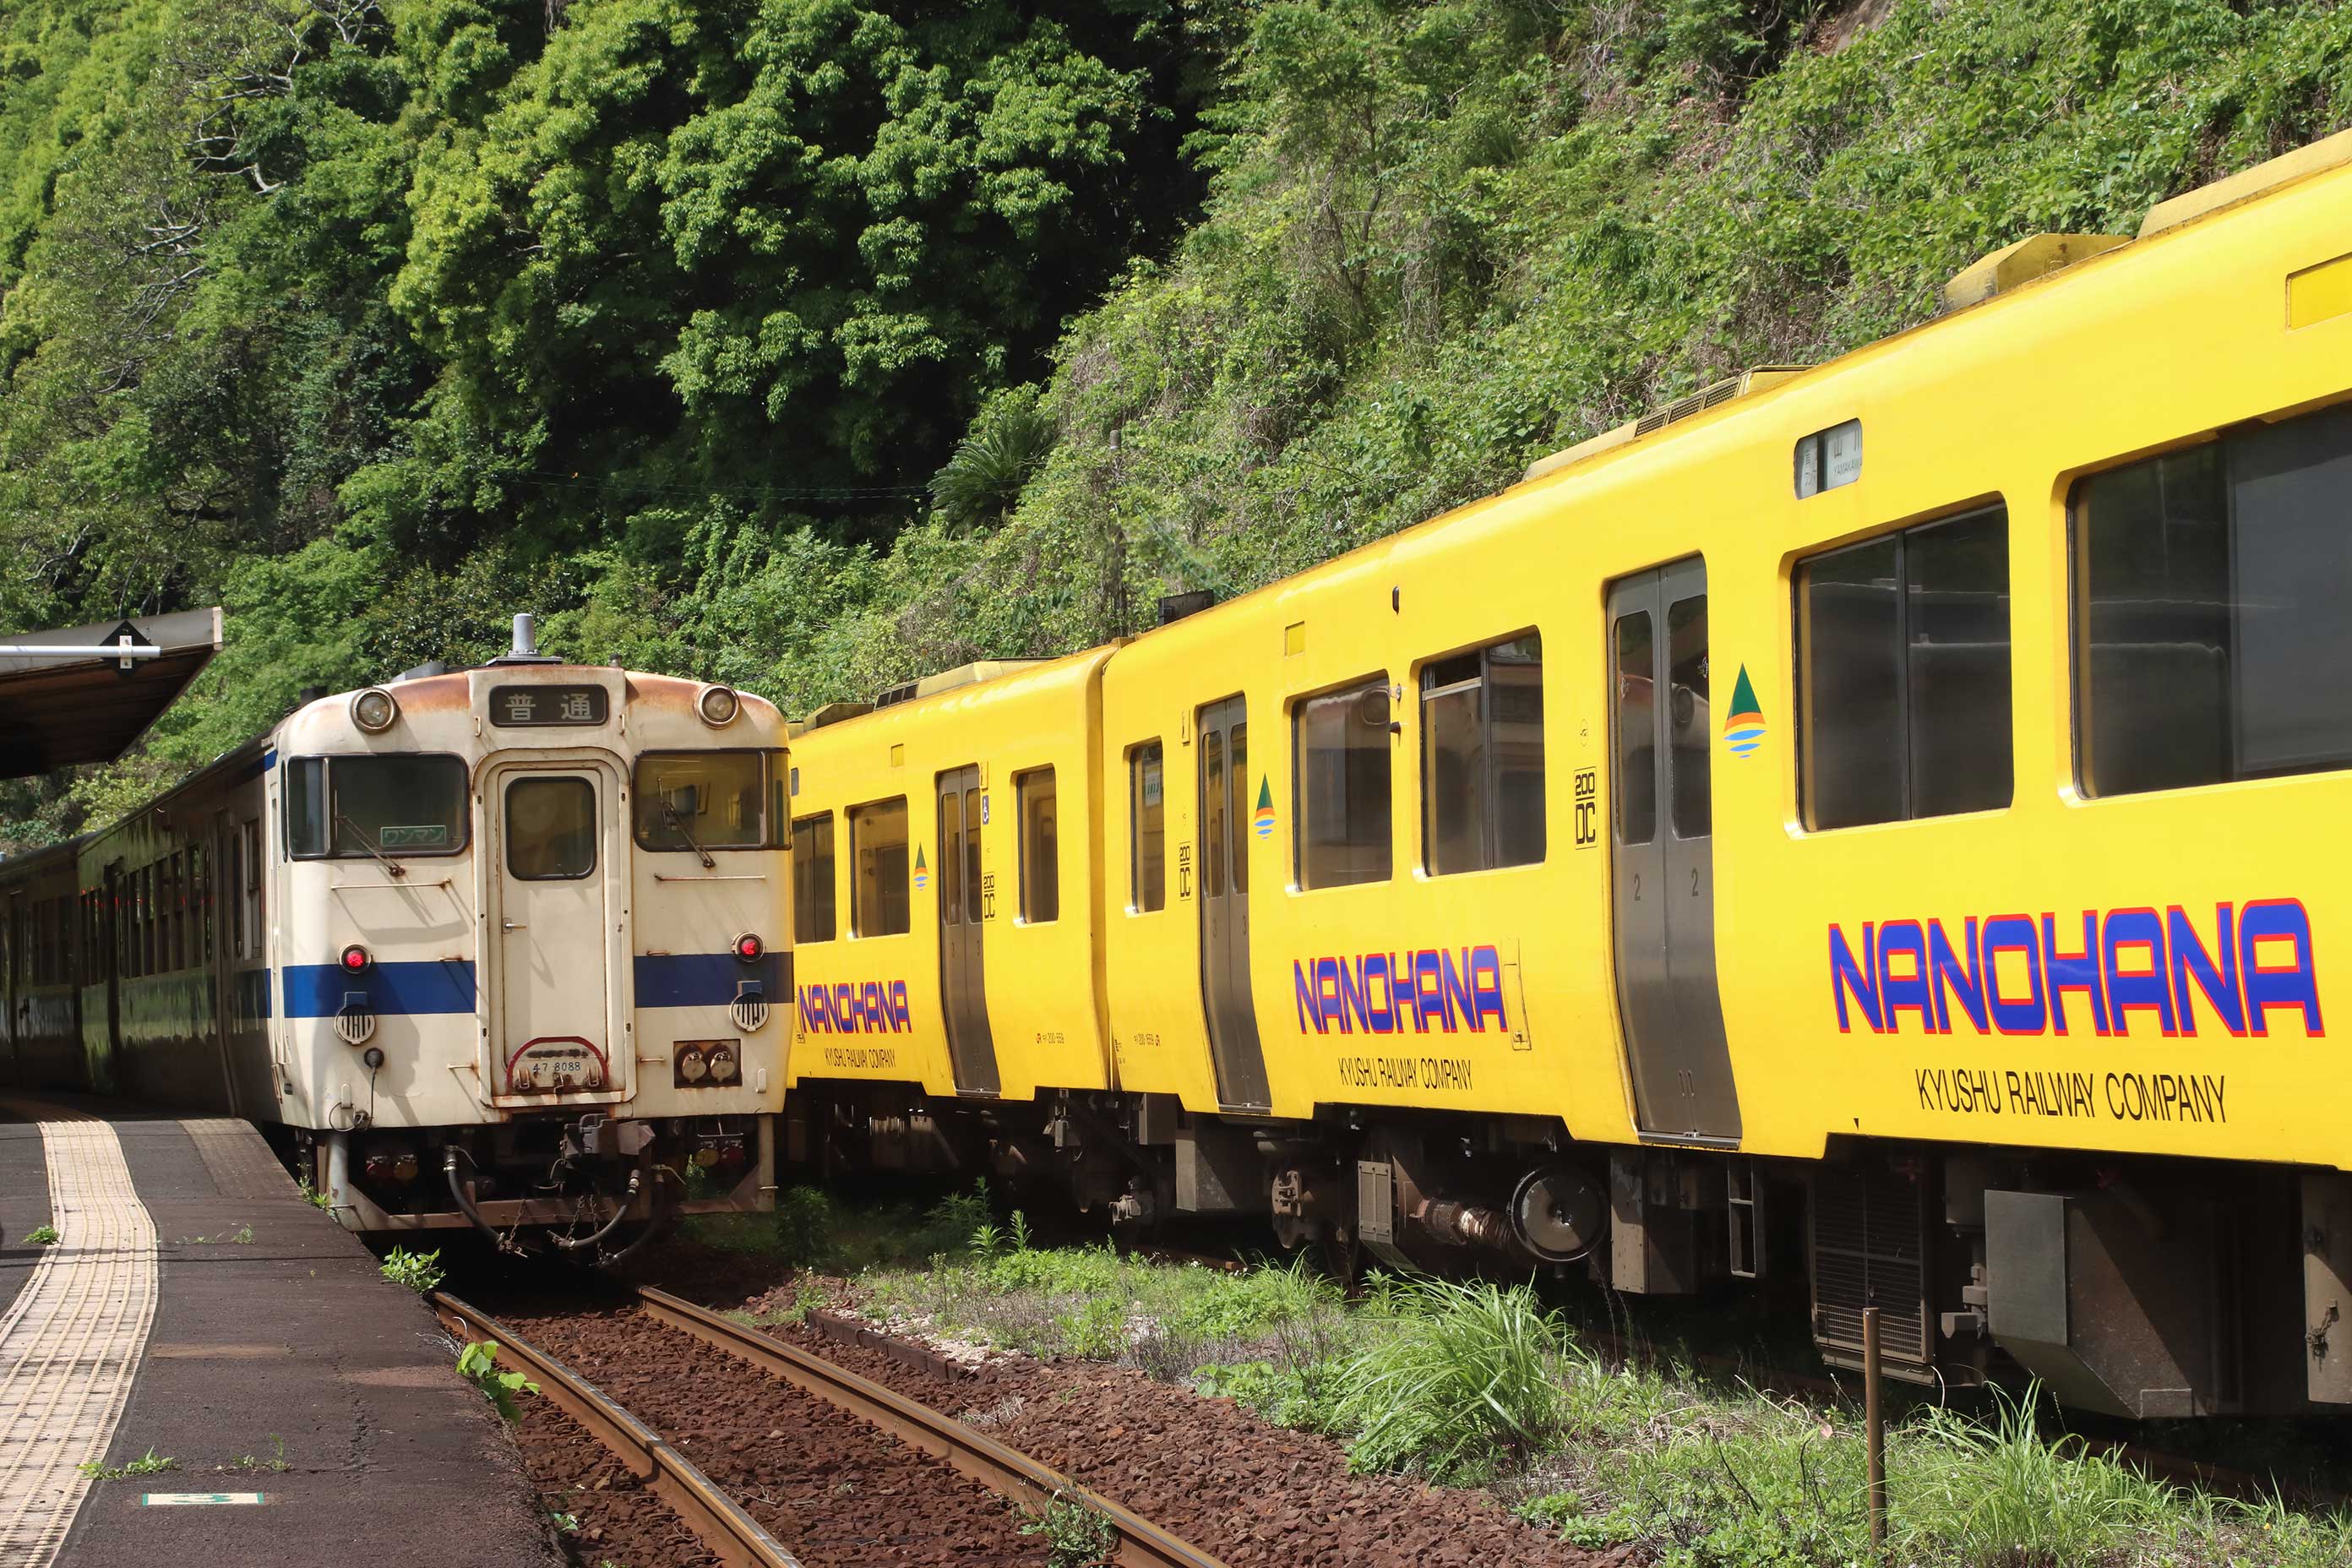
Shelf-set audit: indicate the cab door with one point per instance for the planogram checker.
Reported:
(1663, 851)
(963, 976)
(556, 917)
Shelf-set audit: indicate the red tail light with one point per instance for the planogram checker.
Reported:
(750, 948)
(356, 960)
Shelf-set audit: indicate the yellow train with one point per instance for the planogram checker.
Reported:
(1965, 936)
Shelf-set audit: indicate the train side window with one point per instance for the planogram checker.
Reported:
(200, 884)
(1482, 758)
(550, 829)
(878, 843)
(812, 878)
(1637, 732)
(2209, 587)
(233, 906)
(1147, 818)
(1903, 665)
(1341, 761)
(1041, 859)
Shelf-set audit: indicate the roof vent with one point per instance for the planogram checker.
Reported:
(949, 679)
(526, 644)
(2328, 153)
(425, 671)
(2014, 266)
(835, 713)
(1176, 607)
(1712, 396)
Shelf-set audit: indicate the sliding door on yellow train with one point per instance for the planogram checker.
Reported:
(963, 975)
(1662, 843)
(1226, 819)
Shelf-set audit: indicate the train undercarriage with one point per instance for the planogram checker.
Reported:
(2135, 1286)
(581, 1183)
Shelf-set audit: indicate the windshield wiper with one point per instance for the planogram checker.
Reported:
(397, 869)
(669, 815)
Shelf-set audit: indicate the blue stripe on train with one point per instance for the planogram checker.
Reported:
(447, 985)
(701, 979)
(431, 985)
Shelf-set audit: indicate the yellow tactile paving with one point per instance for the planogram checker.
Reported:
(71, 1342)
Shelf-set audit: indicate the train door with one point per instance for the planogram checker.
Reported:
(1225, 996)
(1662, 841)
(558, 881)
(963, 979)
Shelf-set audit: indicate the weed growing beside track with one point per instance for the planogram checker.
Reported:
(1480, 1384)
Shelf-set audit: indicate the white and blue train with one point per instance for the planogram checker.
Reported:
(485, 947)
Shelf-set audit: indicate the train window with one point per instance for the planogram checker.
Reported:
(233, 906)
(2209, 588)
(1040, 860)
(174, 906)
(356, 808)
(1904, 657)
(812, 878)
(1342, 765)
(1637, 732)
(1148, 814)
(550, 829)
(1482, 758)
(878, 843)
(708, 800)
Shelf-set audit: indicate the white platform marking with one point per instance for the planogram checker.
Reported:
(70, 1343)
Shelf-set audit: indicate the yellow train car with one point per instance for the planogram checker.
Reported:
(1866, 819)
(945, 858)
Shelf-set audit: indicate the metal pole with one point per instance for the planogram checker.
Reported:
(1873, 1427)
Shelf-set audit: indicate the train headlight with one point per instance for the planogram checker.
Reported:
(374, 709)
(750, 948)
(355, 960)
(718, 705)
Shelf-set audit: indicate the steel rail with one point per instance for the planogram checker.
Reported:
(731, 1535)
(1010, 1474)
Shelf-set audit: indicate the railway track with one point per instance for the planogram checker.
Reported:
(717, 1519)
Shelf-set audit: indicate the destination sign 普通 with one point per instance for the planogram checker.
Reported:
(516, 706)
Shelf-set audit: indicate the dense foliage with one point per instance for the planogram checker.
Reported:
(810, 344)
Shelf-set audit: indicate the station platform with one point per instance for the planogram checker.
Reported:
(194, 1307)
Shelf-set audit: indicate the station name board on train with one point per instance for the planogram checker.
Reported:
(513, 707)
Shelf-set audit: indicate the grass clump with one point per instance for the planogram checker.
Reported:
(42, 1236)
(147, 1463)
(1077, 1535)
(1469, 1381)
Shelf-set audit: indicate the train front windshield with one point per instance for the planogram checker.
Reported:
(710, 800)
(359, 807)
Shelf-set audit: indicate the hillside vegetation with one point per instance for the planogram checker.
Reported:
(814, 343)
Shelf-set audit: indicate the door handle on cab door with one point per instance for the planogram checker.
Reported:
(512, 925)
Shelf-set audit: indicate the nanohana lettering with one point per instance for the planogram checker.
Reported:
(875, 1008)
(1394, 992)
(2013, 974)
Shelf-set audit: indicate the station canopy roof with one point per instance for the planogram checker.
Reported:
(57, 709)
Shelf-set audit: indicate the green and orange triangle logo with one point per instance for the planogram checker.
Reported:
(1743, 727)
(1262, 818)
(921, 875)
